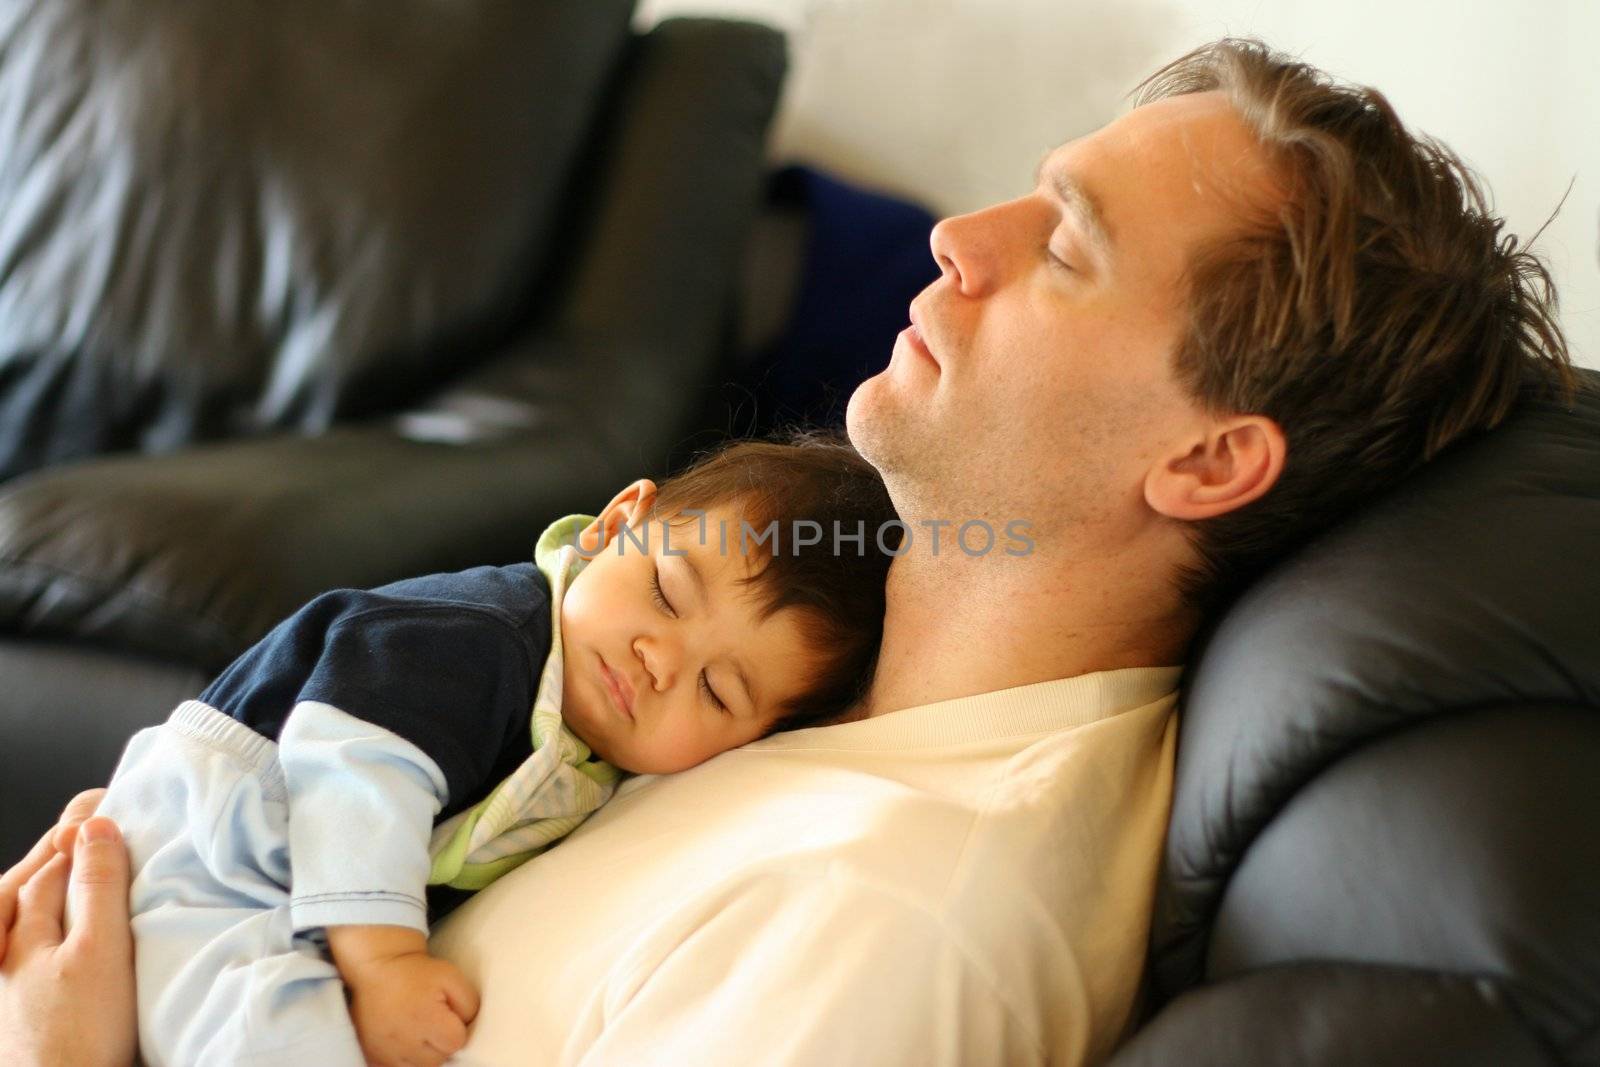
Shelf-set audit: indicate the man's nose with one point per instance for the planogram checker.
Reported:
(965, 248)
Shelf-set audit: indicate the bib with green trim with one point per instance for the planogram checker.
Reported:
(556, 787)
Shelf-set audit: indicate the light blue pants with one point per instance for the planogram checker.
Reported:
(222, 977)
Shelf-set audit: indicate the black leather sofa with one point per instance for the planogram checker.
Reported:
(1383, 847)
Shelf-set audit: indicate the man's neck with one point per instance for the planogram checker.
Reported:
(958, 625)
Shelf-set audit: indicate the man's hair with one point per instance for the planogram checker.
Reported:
(836, 586)
(1377, 317)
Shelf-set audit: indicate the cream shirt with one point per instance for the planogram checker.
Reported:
(967, 882)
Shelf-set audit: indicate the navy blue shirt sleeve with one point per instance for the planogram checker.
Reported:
(450, 662)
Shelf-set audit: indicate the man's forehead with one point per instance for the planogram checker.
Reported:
(1184, 125)
(1196, 146)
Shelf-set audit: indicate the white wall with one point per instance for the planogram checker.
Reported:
(953, 101)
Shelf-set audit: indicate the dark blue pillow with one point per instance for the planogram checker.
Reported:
(866, 258)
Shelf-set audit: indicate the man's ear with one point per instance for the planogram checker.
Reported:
(629, 506)
(1236, 462)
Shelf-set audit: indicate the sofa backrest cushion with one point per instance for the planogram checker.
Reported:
(229, 217)
(193, 555)
(1386, 744)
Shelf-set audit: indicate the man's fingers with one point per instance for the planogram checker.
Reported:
(100, 884)
(77, 810)
(39, 907)
(83, 805)
(14, 879)
(59, 838)
(37, 857)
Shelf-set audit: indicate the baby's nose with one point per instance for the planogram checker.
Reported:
(657, 665)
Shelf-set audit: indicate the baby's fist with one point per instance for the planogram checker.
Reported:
(410, 1010)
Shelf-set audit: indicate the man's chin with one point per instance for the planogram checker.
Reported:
(886, 435)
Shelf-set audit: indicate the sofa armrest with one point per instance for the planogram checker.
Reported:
(66, 713)
(661, 219)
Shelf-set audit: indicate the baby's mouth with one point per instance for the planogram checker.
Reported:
(613, 687)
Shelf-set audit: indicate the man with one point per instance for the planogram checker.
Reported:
(1210, 329)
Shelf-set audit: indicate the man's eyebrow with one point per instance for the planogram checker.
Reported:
(1081, 202)
(700, 592)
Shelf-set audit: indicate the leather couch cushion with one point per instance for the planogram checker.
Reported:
(1460, 844)
(1297, 1015)
(225, 217)
(1384, 741)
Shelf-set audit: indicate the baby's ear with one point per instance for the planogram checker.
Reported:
(589, 540)
(643, 499)
(629, 506)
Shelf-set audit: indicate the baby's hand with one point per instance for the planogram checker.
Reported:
(409, 1009)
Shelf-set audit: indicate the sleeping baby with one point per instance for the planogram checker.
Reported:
(439, 731)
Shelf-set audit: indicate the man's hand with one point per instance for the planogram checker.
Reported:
(61, 838)
(409, 1009)
(68, 999)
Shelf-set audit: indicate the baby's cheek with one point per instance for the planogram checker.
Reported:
(666, 751)
(704, 743)
(575, 628)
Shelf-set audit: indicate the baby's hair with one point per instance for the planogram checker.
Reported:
(800, 474)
